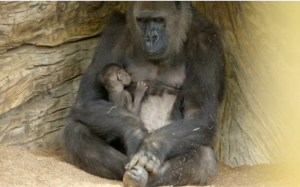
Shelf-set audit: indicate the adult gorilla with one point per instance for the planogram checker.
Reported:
(171, 46)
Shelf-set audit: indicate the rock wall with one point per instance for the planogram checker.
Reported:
(46, 46)
(261, 43)
(44, 49)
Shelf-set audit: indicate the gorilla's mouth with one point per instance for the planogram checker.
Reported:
(154, 53)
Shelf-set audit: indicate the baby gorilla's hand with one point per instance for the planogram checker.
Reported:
(141, 88)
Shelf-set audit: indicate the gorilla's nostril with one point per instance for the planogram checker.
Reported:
(154, 37)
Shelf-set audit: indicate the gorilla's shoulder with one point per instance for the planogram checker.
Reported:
(115, 27)
(117, 17)
(200, 23)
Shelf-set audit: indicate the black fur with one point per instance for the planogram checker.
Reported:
(187, 140)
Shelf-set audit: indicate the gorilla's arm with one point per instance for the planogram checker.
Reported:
(172, 140)
(201, 95)
(91, 107)
(103, 118)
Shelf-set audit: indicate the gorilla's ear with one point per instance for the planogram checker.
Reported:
(178, 4)
(119, 75)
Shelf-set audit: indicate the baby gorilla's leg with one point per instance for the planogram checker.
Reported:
(135, 177)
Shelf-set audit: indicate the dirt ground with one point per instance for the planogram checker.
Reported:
(48, 168)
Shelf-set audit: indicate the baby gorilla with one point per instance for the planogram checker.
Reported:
(114, 78)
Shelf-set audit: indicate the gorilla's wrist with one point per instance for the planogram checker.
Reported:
(133, 140)
(157, 149)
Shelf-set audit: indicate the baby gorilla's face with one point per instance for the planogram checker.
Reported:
(124, 77)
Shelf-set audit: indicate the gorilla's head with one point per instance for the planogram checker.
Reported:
(159, 28)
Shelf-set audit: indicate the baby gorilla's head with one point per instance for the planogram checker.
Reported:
(114, 77)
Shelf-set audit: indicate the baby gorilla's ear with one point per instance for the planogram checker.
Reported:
(120, 75)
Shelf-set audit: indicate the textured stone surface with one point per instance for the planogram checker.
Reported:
(38, 85)
(46, 46)
(261, 43)
(44, 49)
(52, 23)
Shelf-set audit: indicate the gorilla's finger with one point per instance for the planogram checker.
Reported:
(132, 162)
(142, 161)
(149, 166)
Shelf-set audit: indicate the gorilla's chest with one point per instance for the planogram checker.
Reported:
(156, 111)
(171, 75)
(156, 107)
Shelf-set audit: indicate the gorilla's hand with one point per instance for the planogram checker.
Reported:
(148, 157)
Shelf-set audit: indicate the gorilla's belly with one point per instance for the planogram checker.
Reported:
(156, 110)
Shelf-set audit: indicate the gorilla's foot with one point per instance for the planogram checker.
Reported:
(135, 177)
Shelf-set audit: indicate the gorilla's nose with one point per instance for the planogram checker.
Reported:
(152, 36)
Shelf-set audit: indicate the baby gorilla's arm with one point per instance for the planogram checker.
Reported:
(138, 96)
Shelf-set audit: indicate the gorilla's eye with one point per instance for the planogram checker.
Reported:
(141, 20)
(158, 19)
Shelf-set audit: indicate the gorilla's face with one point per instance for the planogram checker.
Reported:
(159, 28)
(154, 39)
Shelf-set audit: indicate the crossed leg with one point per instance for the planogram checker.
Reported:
(198, 166)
